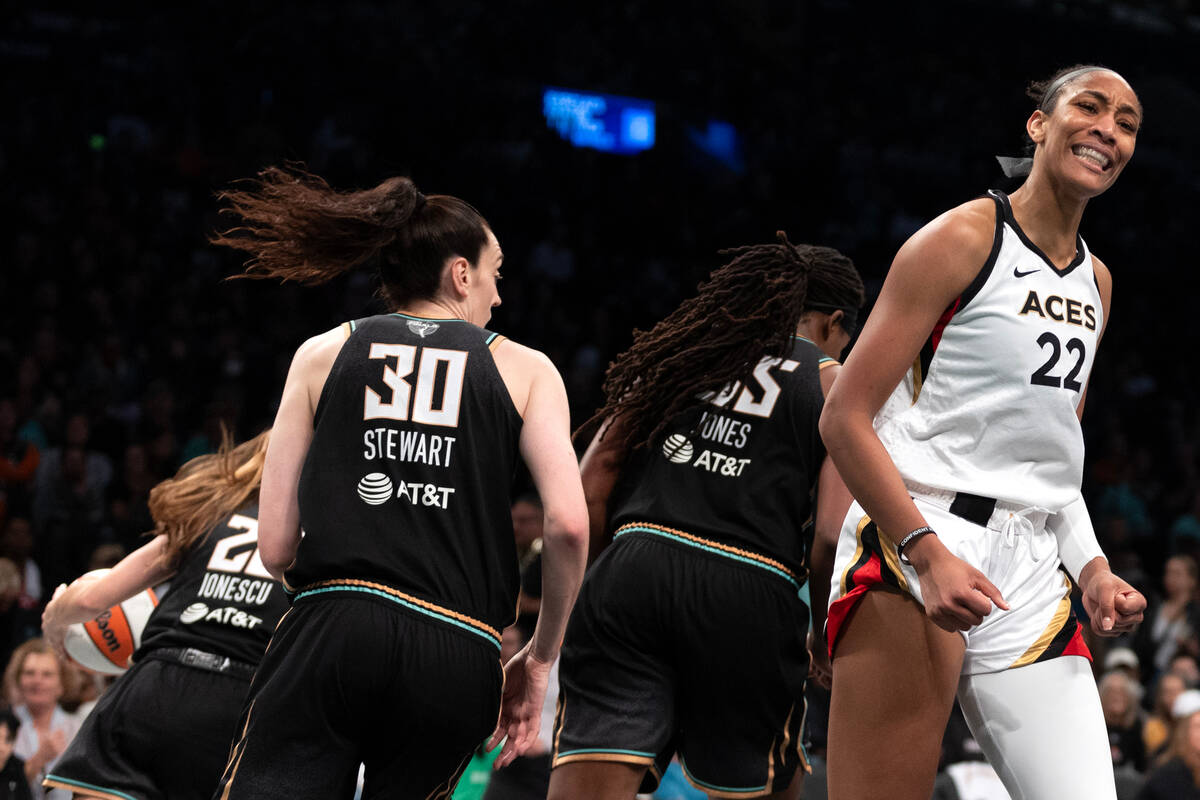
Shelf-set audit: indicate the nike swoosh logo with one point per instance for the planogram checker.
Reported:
(1018, 274)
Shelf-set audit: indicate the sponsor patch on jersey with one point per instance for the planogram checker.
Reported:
(233, 616)
(678, 449)
(422, 329)
(193, 613)
(375, 488)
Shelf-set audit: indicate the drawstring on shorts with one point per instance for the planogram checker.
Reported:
(1019, 522)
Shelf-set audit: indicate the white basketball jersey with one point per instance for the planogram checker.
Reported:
(989, 407)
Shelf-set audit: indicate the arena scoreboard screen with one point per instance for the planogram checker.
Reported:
(606, 122)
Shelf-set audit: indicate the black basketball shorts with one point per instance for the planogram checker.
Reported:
(354, 677)
(682, 646)
(163, 730)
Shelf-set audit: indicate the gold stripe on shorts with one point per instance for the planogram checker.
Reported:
(1061, 614)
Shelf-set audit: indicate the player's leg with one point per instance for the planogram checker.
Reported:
(894, 678)
(616, 703)
(743, 659)
(596, 780)
(1042, 729)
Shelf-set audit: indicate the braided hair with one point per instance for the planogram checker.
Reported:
(747, 309)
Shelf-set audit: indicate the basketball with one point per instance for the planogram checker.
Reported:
(105, 644)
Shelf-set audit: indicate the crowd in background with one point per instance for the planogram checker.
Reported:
(123, 349)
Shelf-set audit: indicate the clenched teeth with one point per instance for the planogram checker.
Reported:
(1091, 154)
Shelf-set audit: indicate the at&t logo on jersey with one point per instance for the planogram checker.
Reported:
(234, 617)
(193, 613)
(375, 489)
(678, 449)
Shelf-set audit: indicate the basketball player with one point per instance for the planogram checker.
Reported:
(689, 634)
(394, 446)
(164, 728)
(947, 574)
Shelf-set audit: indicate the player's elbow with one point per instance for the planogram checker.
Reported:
(567, 531)
(276, 556)
(832, 422)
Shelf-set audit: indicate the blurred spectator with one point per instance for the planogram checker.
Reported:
(1172, 619)
(105, 556)
(1185, 529)
(13, 783)
(1178, 778)
(1187, 667)
(1156, 732)
(1126, 660)
(16, 624)
(16, 544)
(68, 517)
(1120, 699)
(18, 464)
(35, 680)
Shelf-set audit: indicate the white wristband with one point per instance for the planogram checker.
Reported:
(1077, 544)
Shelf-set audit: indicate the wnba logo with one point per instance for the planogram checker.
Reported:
(677, 449)
(375, 489)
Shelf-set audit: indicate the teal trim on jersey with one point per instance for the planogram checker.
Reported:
(82, 785)
(424, 319)
(491, 338)
(717, 551)
(717, 787)
(820, 360)
(606, 750)
(353, 326)
(399, 601)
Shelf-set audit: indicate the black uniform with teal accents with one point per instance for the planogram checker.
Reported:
(222, 600)
(163, 729)
(692, 615)
(405, 575)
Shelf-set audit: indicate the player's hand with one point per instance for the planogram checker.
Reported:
(525, 679)
(1114, 606)
(820, 669)
(957, 596)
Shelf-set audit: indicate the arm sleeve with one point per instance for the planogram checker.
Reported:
(1077, 543)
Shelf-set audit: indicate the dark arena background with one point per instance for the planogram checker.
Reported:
(615, 147)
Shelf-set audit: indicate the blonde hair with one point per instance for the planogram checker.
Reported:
(186, 507)
(12, 673)
(1181, 749)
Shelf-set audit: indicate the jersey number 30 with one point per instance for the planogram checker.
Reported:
(415, 401)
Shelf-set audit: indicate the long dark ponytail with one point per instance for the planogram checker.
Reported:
(297, 228)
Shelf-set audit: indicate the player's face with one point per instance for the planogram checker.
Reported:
(39, 680)
(485, 295)
(1090, 136)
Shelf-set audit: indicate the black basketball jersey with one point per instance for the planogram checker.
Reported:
(222, 599)
(407, 480)
(739, 469)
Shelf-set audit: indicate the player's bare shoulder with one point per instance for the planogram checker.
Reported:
(521, 367)
(314, 359)
(967, 230)
(947, 252)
